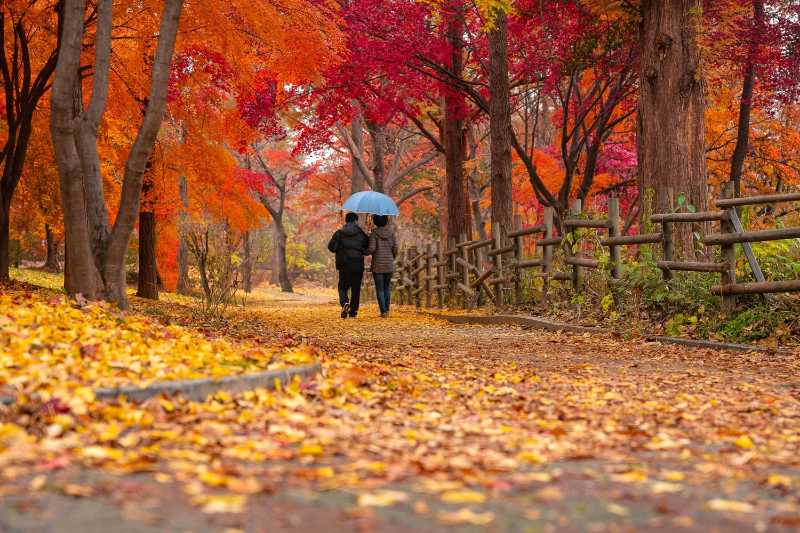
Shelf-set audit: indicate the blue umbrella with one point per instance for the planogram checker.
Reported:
(372, 202)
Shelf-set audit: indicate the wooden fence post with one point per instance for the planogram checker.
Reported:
(465, 269)
(451, 271)
(614, 231)
(429, 276)
(517, 260)
(547, 253)
(728, 257)
(410, 268)
(497, 265)
(576, 270)
(666, 238)
(440, 275)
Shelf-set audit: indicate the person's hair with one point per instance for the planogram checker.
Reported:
(350, 217)
(380, 220)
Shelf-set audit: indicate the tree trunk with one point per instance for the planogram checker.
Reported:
(5, 249)
(247, 264)
(70, 135)
(280, 258)
(745, 104)
(357, 180)
(80, 273)
(148, 270)
(377, 135)
(51, 261)
(454, 135)
(500, 125)
(183, 248)
(114, 259)
(23, 90)
(671, 138)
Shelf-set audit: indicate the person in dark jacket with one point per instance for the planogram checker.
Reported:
(383, 249)
(349, 243)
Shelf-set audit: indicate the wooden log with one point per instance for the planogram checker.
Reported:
(497, 261)
(480, 244)
(465, 269)
(727, 238)
(666, 244)
(517, 237)
(699, 216)
(499, 281)
(757, 287)
(550, 241)
(465, 289)
(692, 266)
(547, 252)
(441, 283)
(559, 276)
(483, 277)
(527, 231)
(755, 200)
(429, 276)
(576, 272)
(729, 256)
(501, 251)
(530, 263)
(584, 223)
(614, 231)
(581, 261)
(466, 264)
(461, 245)
(452, 274)
(627, 240)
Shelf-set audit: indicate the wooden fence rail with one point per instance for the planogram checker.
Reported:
(469, 272)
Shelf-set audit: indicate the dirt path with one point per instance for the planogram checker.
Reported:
(422, 425)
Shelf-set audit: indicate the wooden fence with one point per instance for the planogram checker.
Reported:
(469, 272)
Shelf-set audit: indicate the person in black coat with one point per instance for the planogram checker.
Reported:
(349, 243)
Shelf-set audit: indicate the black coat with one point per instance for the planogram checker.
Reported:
(350, 246)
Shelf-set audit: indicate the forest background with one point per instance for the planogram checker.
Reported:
(220, 158)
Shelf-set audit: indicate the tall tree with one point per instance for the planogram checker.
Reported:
(454, 150)
(671, 134)
(29, 45)
(101, 273)
(500, 123)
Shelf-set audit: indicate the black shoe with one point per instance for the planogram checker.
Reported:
(345, 310)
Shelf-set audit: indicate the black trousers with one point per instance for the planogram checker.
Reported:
(350, 282)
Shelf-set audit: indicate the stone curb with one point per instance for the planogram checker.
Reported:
(199, 389)
(550, 325)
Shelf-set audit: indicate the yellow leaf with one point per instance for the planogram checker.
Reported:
(312, 450)
(37, 483)
(77, 491)
(466, 516)
(463, 496)
(549, 494)
(779, 480)
(223, 503)
(662, 487)
(616, 509)
(382, 498)
(733, 506)
(744, 442)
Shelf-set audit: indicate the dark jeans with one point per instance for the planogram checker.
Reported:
(350, 282)
(383, 290)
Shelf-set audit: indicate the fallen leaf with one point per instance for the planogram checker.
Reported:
(466, 516)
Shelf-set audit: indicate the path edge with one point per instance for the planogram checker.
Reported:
(552, 325)
(200, 388)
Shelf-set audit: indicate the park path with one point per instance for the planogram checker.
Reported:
(421, 425)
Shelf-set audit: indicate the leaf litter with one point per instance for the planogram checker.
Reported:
(466, 414)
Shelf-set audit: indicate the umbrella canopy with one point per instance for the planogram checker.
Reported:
(372, 202)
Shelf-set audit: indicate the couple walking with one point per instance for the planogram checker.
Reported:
(351, 244)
